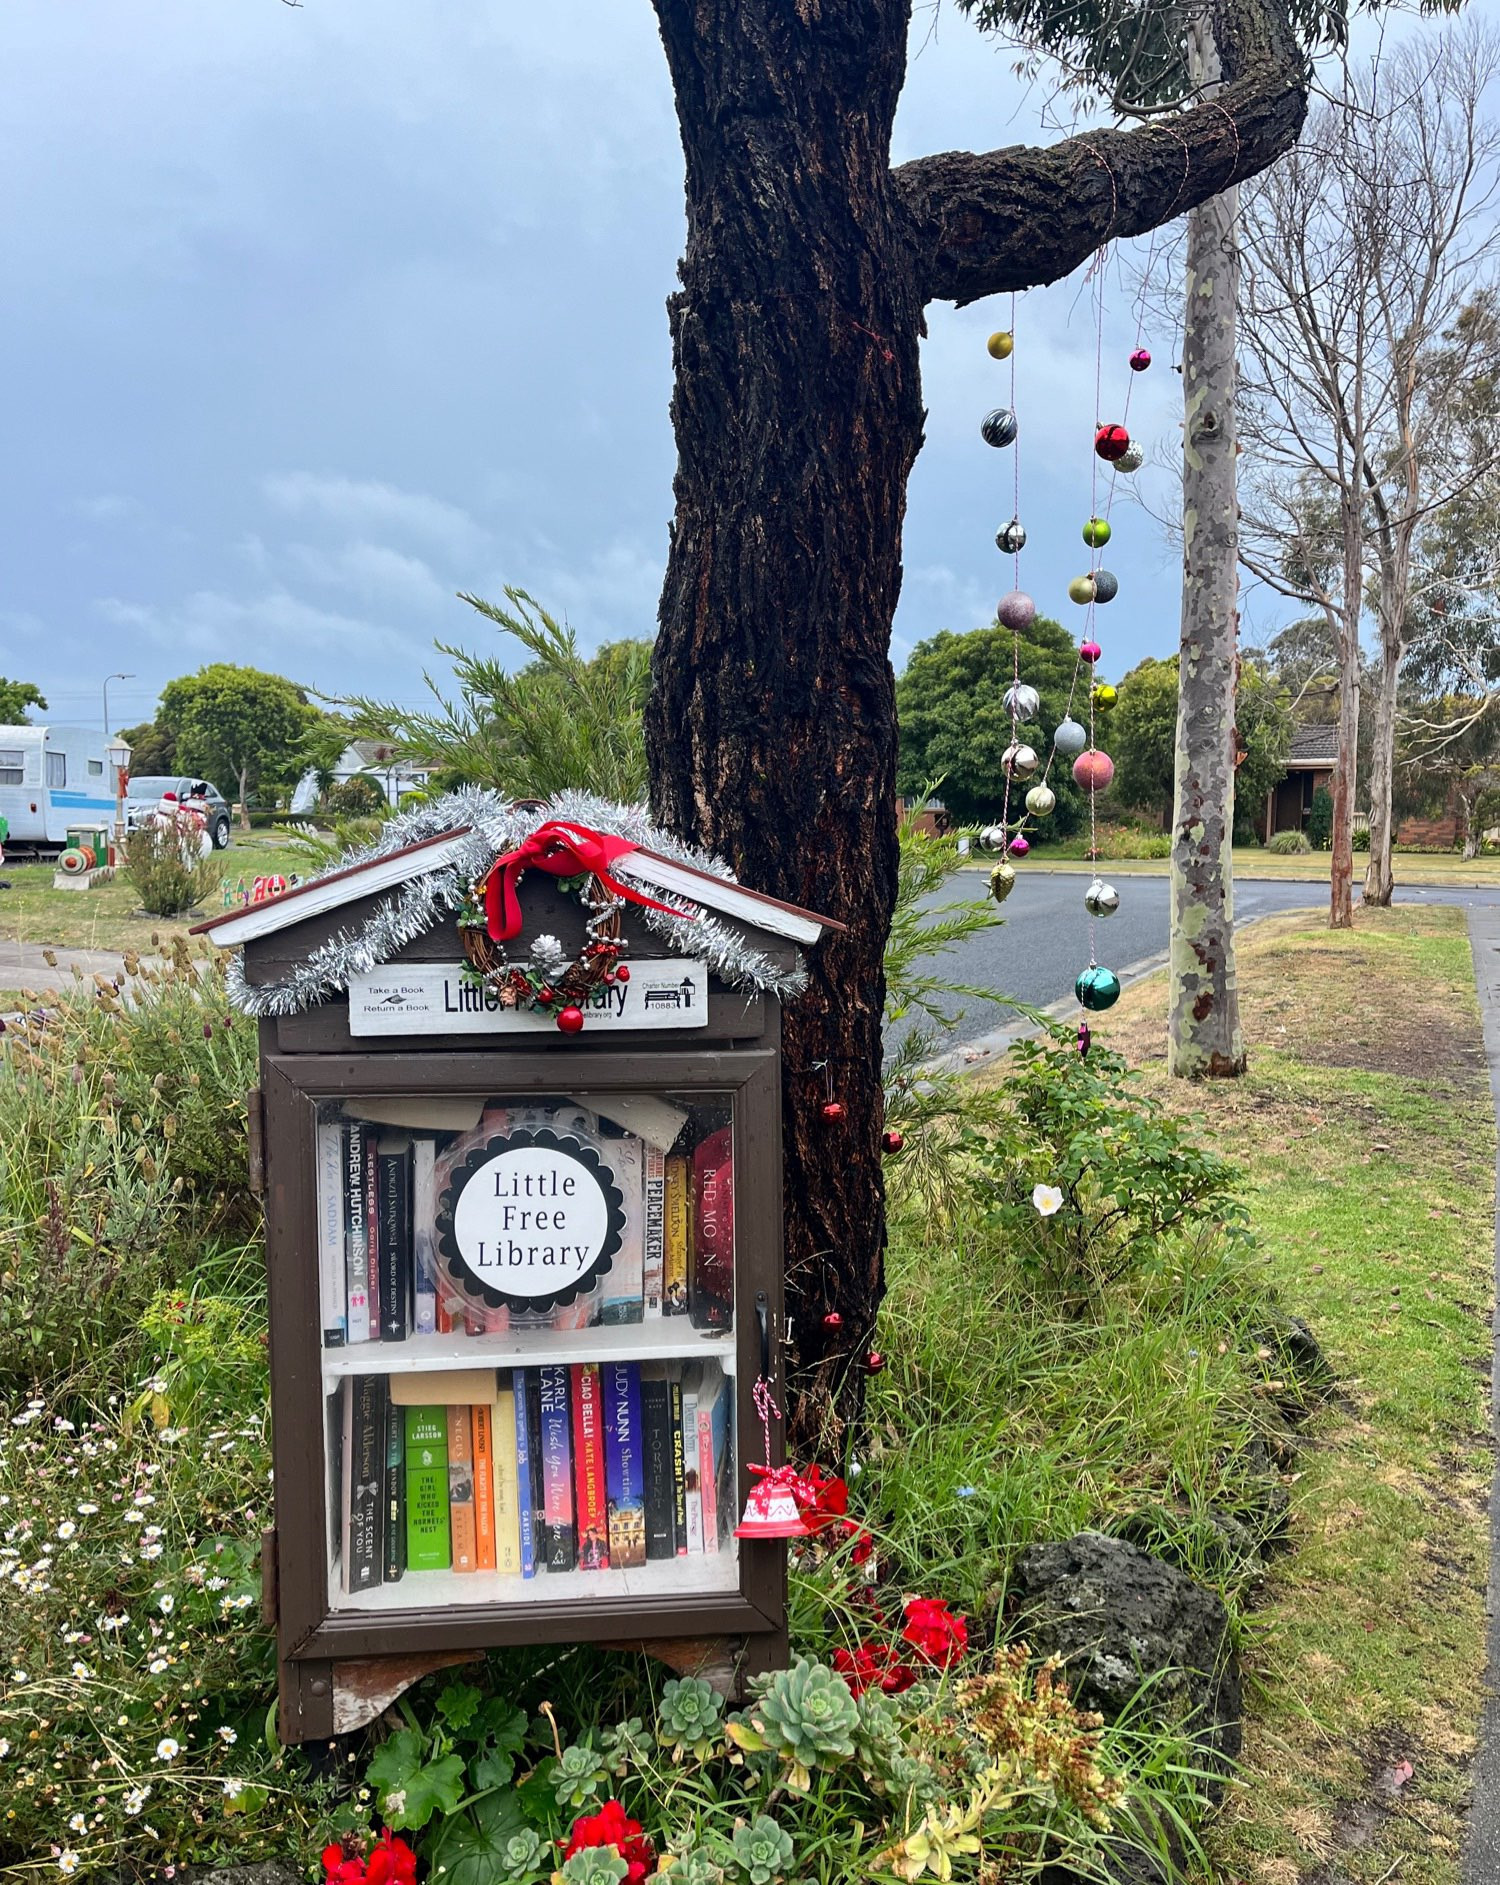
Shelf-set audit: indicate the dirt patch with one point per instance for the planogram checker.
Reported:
(1392, 1762)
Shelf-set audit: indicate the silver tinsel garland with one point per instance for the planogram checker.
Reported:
(491, 826)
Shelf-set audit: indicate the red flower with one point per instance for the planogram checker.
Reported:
(391, 1862)
(873, 1665)
(861, 1551)
(342, 1867)
(934, 1632)
(610, 1826)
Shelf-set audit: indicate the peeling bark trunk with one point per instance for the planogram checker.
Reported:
(1203, 1021)
(1379, 879)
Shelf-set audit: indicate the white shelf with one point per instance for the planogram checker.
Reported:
(665, 1338)
(695, 1575)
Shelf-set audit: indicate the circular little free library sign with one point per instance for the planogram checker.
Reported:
(530, 1219)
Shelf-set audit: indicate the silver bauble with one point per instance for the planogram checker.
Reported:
(1002, 881)
(1019, 761)
(1070, 737)
(992, 838)
(1022, 701)
(999, 427)
(1011, 537)
(1101, 899)
(1040, 800)
(1131, 459)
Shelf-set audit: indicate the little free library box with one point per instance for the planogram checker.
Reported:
(518, 1133)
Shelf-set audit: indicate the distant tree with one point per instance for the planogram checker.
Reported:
(954, 723)
(15, 698)
(237, 726)
(1320, 819)
(564, 720)
(359, 796)
(153, 749)
(1449, 755)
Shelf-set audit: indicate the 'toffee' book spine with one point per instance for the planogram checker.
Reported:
(656, 1429)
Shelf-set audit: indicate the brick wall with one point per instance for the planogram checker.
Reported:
(1433, 834)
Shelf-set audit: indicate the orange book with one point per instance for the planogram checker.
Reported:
(484, 1487)
(461, 1488)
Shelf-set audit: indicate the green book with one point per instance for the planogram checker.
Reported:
(428, 1547)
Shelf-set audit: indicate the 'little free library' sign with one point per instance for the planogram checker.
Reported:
(438, 998)
(531, 1218)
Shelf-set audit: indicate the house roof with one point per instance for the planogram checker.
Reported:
(1313, 746)
(643, 867)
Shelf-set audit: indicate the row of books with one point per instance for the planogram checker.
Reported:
(596, 1466)
(378, 1196)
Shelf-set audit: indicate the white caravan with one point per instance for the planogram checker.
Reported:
(50, 778)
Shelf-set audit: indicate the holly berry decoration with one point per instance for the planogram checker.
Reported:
(622, 973)
(1096, 532)
(1111, 442)
(874, 1361)
(1089, 651)
(833, 1322)
(891, 1140)
(1000, 346)
(1140, 360)
(833, 1111)
(546, 997)
(570, 1020)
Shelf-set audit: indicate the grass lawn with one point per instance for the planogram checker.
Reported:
(1411, 867)
(1365, 1126)
(107, 917)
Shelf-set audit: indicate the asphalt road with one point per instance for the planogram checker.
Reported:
(1042, 943)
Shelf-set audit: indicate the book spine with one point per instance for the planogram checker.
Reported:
(461, 1488)
(372, 1231)
(367, 1560)
(525, 1507)
(623, 1301)
(588, 1468)
(722, 1443)
(482, 1417)
(624, 1463)
(675, 1416)
(393, 1226)
(424, 1253)
(711, 1273)
(507, 1487)
(346, 1484)
(656, 1433)
(395, 1492)
(678, 1211)
(356, 1242)
(332, 1286)
(557, 1468)
(534, 1447)
(653, 1256)
(428, 1540)
(692, 1476)
(707, 1479)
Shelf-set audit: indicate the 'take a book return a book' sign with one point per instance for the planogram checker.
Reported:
(435, 998)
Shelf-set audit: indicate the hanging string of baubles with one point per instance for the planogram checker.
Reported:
(1096, 987)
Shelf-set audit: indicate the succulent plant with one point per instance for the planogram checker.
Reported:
(691, 1717)
(624, 1746)
(594, 1865)
(700, 1865)
(576, 1776)
(808, 1716)
(522, 1853)
(762, 1850)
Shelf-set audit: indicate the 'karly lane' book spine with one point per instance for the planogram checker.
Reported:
(356, 1238)
(393, 1231)
(590, 1497)
(332, 1285)
(557, 1467)
(624, 1463)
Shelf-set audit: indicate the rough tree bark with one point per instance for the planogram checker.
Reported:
(797, 409)
(1203, 1002)
(1341, 865)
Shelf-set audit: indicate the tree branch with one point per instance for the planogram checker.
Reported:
(986, 223)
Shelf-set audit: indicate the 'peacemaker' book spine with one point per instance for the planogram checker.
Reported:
(654, 1188)
(356, 1242)
(393, 1193)
(332, 1286)
(395, 1492)
(656, 1426)
(557, 1468)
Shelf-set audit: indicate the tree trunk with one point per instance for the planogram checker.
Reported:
(1341, 868)
(1379, 881)
(1467, 830)
(1203, 1021)
(771, 728)
(244, 798)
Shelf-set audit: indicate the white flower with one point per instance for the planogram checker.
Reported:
(233, 1789)
(79, 1823)
(1047, 1199)
(67, 1862)
(135, 1800)
(4, 1748)
(66, 1529)
(88, 1508)
(19, 1675)
(396, 1802)
(167, 1749)
(228, 1736)
(152, 1531)
(150, 1551)
(132, 1517)
(157, 1664)
(166, 1601)
(81, 1672)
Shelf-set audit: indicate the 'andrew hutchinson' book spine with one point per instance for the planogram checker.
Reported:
(356, 1241)
(557, 1468)
(656, 1428)
(624, 1463)
(393, 1226)
(332, 1286)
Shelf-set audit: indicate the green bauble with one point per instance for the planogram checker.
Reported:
(1081, 589)
(1096, 532)
(1097, 988)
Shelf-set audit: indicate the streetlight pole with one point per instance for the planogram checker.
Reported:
(107, 679)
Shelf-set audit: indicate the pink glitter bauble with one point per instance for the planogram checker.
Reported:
(1015, 610)
(1089, 651)
(1093, 769)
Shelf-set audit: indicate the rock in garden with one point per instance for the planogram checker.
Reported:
(268, 1872)
(1117, 1617)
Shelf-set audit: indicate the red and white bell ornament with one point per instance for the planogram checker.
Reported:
(771, 1509)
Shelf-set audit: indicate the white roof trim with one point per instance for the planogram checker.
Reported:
(715, 893)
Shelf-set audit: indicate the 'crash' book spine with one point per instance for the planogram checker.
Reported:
(332, 1286)
(393, 1229)
(590, 1498)
(557, 1467)
(679, 1464)
(624, 1463)
(356, 1239)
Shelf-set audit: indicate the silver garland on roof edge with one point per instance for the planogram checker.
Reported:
(495, 825)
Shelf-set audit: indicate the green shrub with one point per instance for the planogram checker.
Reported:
(358, 797)
(1360, 839)
(1289, 843)
(1320, 820)
(165, 863)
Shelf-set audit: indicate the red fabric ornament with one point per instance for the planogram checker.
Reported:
(565, 851)
(833, 1111)
(622, 973)
(934, 1632)
(1111, 442)
(771, 1510)
(874, 1665)
(891, 1140)
(611, 1826)
(570, 1021)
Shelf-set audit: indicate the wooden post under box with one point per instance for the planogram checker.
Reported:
(668, 1103)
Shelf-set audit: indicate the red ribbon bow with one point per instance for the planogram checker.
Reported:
(565, 851)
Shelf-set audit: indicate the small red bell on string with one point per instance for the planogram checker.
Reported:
(770, 1509)
(833, 1322)
(891, 1140)
(833, 1111)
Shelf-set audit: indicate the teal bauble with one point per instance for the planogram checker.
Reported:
(1097, 988)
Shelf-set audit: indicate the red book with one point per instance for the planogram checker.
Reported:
(711, 1275)
(592, 1499)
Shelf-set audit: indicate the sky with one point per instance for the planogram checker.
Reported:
(316, 315)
